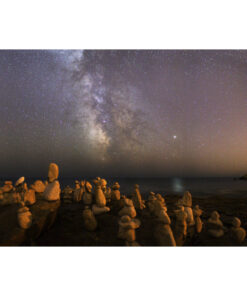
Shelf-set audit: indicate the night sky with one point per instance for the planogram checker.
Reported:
(123, 113)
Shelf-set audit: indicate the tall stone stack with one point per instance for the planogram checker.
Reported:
(137, 198)
(87, 197)
(197, 212)
(127, 227)
(238, 233)
(115, 192)
(77, 192)
(24, 216)
(52, 190)
(180, 229)
(89, 220)
(163, 232)
(215, 227)
(100, 201)
(128, 209)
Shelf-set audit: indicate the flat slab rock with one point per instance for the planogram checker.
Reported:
(44, 215)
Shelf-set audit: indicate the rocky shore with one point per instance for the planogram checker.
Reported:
(69, 230)
(99, 215)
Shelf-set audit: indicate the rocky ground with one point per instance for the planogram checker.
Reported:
(68, 229)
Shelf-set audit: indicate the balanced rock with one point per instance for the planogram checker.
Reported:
(90, 222)
(215, 226)
(180, 230)
(24, 217)
(197, 212)
(38, 186)
(163, 232)
(103, 184)
(127, 228)
(128, 209)
(187, 203)
(99, 210)
(7, 187)
(29, 197)
(107, 193)
(115, 193)
(160, 198)
(151, 201)
(19, 181)
(87, 197)
(53, 172)
(238, 233)
(77, 192)
(67, 194)
(137, 198)
(52, 191)
(99, 196)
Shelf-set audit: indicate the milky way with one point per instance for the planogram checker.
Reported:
(123, 113)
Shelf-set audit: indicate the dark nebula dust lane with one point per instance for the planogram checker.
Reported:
(123, 113)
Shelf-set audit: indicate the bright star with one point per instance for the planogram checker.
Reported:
(174, 137)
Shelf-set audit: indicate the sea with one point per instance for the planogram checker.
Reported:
(199, 187)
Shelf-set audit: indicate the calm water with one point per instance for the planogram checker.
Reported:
(201, 187)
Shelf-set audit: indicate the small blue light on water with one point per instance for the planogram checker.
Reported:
(177, 185)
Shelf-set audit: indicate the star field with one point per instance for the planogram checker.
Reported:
(123, 113)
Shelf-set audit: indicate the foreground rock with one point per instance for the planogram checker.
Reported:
(163, 232)
(127, 228)
(238, 233)
(52, 190)
(15, 228)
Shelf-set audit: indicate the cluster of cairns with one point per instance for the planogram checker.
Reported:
(99, 199)
(20, 194)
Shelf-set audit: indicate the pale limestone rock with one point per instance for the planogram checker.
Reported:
(38, 186)
(29, 197)
(90, 222)
(99, 210)
(215, 226)
(128, 209)
(99, 196)
(20, 181)
(52, 191)
(198, 222)
(53, 172)
(238, 233)
(24, 217)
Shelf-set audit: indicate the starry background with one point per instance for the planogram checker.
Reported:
(144, 113)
